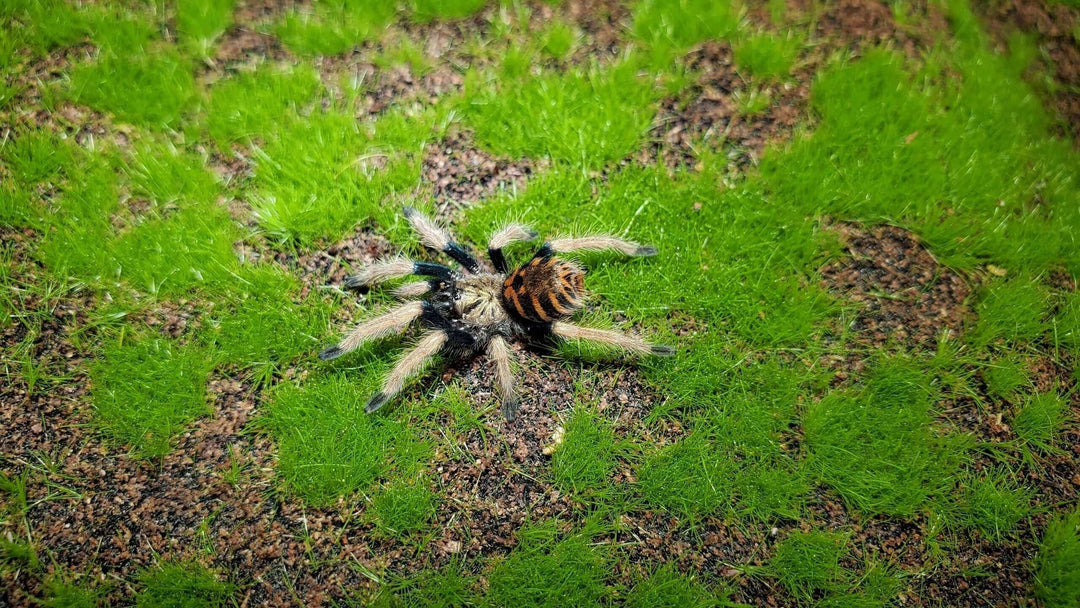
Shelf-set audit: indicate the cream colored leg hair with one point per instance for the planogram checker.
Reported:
(412, 290)
(379, 272)
(614, 338)
(600, 242)
(392, 322)
(408, 365)
(511, 234)
(504, 375)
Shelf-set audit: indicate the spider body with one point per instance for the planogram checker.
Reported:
(473, 311)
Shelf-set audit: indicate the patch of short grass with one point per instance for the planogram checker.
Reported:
(766, 56)
(146, 390)
(1067, 321)
(588, 117)
(424, 11)
(181, 585)
(993, 503)
(264, 324)
(668, 27)
(328, 447)
(1005, 377)
(151, 87)
(403, 507)
(330, 27)
(890, 145)
(1040, 419)
(808, 563)
(559, 40)
(200, 22)
(62, 591)
(319, 177)
(1057, 564)
(875, 446)
(250, 105)
(549, 569)
(1010, 311)
(690, 478)
(586, 457)
(666, 586)
(448, 587)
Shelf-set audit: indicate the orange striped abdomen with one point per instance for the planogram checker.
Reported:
(544, 290)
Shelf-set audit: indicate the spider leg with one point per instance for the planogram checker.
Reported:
(501, 355)
(595, 242)
(394, 321)
(398, 267)
(413, 290)
(431, 235)
(502, 238)
(614, 338)
(411, 363)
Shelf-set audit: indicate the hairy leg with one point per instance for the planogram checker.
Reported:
(411, 363)
(392, 322)
(431, 235)
(385, 270)
(614, 338)
(598, 242)
(500, 353)
(509, 234)
(412, 290)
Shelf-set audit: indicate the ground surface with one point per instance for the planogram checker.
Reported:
(867, 214)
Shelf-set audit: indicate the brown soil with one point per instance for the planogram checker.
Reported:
(905, 297)
(707, 113)
(1054, 24)
(460, 174)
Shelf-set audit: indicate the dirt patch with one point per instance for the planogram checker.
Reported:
(712, 112)
(461, 174)
(1055, 27)
(240, 45)
(904, 295)
(857, 24)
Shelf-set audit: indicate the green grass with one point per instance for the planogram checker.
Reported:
(1057, 565)
(690, 479)
(153, 88)
(993, 503)
(806, 563)
(249, 106)
(181, 585)
(146, 390)
(1005, 377)
(586, 457)
(200, 22)
(330, 27)
(62, 591)
(586, 117)
(756, 417)
(1039, 420)
(548, 569)
(875, 446)
(767, 56)
(403, 507)
(424, 11)
(448, 587)
(665, 586)
(320, 177)
(328, 447)
(1011, 311)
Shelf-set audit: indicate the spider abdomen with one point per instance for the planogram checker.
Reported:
(544, 290)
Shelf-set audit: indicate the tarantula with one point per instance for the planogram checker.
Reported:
(474, 311)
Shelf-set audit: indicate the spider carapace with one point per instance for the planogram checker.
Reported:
(474, 311)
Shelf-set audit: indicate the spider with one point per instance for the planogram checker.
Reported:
(474, 311)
